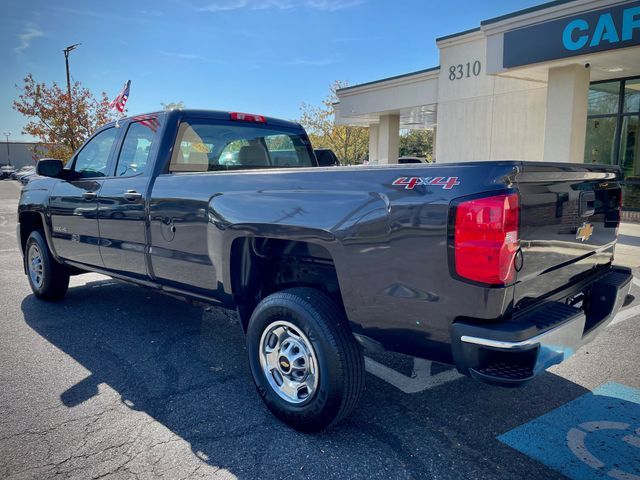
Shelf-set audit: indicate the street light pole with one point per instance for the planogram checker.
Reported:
(66, 62)
(7, 134)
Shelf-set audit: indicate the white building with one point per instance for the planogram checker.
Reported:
(556, 82)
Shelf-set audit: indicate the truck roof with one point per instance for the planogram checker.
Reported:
(210, 114)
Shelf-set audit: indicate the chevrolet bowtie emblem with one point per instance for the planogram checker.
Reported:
(584, 232)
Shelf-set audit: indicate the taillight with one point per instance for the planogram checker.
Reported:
(247, 117)
(486, 239)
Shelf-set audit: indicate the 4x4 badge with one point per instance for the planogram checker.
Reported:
(584, 232)
(409, 183)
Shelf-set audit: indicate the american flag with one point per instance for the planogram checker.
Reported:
(120, 101)
(149, 121)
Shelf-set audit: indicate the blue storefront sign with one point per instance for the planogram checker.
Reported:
(595, 31)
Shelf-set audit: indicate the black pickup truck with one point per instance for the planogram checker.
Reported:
(500, 268)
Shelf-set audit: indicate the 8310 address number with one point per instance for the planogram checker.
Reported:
(460, 71)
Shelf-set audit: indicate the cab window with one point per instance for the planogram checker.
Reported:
(204, 145)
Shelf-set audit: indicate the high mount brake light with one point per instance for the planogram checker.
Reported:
(486, 239)
(247, 117)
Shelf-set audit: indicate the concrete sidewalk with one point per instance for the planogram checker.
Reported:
(628, 247)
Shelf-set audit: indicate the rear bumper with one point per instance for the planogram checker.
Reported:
(513, 352)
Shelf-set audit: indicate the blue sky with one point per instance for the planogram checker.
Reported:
(262, 56)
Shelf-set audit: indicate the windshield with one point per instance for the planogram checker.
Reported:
(210, 145)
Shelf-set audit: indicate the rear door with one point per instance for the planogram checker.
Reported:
(74, 203)
(568, 225)
(122, 200)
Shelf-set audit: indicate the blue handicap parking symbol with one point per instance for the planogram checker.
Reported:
(595, 436)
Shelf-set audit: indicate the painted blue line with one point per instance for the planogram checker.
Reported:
(596, 436)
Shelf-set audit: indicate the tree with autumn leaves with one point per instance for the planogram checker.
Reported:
(350, 144)
(47, 107)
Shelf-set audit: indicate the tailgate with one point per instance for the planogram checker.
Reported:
(568, 225)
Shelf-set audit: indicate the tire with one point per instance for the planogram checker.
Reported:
(48, 279)
(303, 328)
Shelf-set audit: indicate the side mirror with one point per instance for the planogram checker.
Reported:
(49, 167)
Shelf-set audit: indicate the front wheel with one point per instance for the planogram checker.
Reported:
(48, 279)
(306, 364)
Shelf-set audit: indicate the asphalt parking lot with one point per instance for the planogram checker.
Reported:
(121, 382)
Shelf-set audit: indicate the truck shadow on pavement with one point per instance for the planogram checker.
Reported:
(185, 366)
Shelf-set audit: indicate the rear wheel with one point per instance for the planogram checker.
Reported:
(306, 364)
(48, 279)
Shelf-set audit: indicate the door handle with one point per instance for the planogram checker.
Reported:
(132, 195)
(89, 195)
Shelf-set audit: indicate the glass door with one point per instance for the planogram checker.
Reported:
(613, 128)
(630, 161)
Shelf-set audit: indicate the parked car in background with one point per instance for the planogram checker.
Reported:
(22, 171)
(326, 157)
(6, 171)
(27, 177)
(409, 159)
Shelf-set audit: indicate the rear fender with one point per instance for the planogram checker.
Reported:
(301, 216)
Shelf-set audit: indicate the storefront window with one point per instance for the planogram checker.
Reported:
(632, 96)
(604, 98)
(600, 144)
(613, 131)
(630, 160)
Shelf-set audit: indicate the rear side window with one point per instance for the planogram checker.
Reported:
(136, 148)
(204, 145)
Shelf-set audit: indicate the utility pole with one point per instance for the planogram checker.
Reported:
(7, 134)
(66, 62)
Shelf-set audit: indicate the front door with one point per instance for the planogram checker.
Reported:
(121, 203)
(74, 203)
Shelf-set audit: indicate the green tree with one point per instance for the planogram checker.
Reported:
(350, 144)
(173, 105)
(47, 108)
(417, 143)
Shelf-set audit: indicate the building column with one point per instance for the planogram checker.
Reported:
(373, 143)
(389, 139)
(566, 120)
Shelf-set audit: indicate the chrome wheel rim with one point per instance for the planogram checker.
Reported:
(289, 362)
(35, 266)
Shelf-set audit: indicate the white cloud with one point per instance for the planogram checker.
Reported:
(333, 5)
(296, 62)
(182, 55)
(322, 5)
(28, 34)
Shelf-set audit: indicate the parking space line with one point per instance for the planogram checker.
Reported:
(625, 315)
(420, 380)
